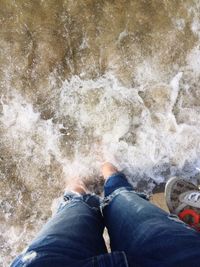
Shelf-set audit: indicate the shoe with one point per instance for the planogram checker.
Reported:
(183, 199)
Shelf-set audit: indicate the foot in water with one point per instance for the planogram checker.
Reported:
(76, 185)
(108, 169)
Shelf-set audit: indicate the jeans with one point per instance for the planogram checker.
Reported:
(141, 234)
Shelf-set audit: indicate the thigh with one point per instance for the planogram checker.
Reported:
(148, 235)
(74, 233)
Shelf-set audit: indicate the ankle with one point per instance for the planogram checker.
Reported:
(76, 186)
(108, 169)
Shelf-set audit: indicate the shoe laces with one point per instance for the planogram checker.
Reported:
(194, 196)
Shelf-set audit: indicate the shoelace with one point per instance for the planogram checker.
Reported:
(194, 196)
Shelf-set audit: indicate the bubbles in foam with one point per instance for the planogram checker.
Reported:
(133, 131)
(193, 60)
(18, 116)
(179, 23)
(147, 72)
(31, 142)
(136, 131)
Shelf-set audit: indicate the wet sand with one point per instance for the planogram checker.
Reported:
(159, 200)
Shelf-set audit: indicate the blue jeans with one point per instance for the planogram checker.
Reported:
(141, 234)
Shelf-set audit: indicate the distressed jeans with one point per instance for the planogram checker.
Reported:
(141, 234)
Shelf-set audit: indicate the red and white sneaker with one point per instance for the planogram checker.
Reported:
(183, 199)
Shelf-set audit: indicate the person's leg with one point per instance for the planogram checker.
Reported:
(73, 234)
(148, 235)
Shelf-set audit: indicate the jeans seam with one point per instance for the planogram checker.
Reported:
(125, 258)
(95, 261)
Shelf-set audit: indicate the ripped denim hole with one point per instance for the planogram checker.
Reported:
(28, 257)
(67, 198)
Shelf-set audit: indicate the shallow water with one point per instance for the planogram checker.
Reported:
(82, 82)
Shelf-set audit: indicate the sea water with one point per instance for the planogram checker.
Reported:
(83, 82)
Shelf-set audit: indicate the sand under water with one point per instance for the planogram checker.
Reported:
(86, 81)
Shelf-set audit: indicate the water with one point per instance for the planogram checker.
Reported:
(82, 82)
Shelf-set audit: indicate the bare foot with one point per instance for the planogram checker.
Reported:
(75, 185)
(108, 169)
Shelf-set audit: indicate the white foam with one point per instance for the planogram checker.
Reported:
(18, 115)
(128, 133)
(29, 136)
(193, 60)
(175, 87)
(122, 35)
(179, 23)
(112, 122)
(196, 26)
(147, 72)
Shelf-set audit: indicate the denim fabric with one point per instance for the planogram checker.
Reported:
(115, 181)
(73, 237)
(141, 234)
(149, 236)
